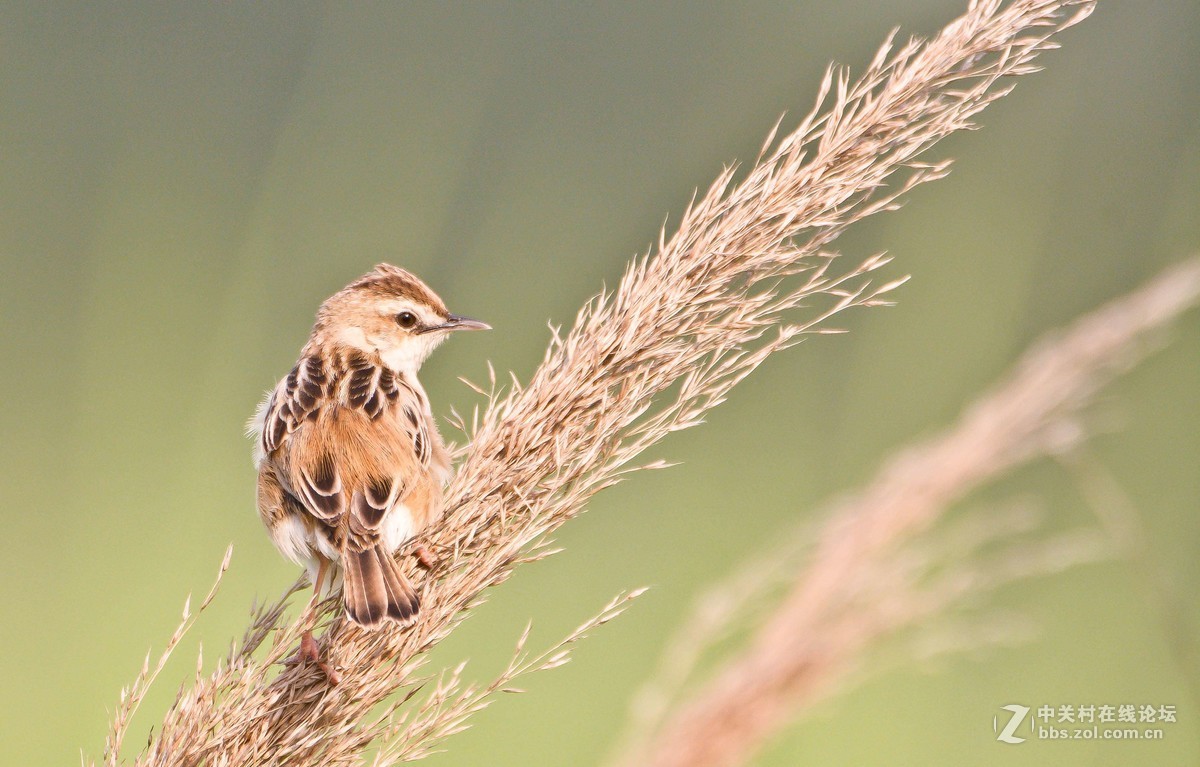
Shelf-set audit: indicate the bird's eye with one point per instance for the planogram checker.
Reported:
(406, 319)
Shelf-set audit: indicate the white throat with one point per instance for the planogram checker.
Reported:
(408, 356)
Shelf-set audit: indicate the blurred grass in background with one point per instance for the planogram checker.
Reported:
(183, 184)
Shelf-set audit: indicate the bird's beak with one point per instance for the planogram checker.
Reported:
(457, 322)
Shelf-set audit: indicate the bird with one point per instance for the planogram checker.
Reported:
(350, 462)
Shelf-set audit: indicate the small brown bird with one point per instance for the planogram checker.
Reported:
(350, 462)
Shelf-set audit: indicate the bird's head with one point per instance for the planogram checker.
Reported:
(389, 311)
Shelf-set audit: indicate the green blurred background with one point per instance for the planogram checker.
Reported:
(183, 183)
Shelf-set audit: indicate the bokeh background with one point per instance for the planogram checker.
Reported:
(183, 183)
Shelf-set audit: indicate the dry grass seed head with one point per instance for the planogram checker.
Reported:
(699, 314)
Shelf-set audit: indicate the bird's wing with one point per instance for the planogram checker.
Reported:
(353, 453)
(396, 461)
(412, 413)
(383, 396)
(348, 473)
(295, 400)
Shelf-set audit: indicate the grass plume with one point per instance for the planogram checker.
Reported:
(866, 578)
(748, 272)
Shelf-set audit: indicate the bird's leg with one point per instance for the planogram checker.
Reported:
(309, 651)
(308, 645)
(424, 557)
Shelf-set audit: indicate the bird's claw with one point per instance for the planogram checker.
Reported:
(310, 652)
(424, 557)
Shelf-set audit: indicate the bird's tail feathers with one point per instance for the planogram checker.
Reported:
(374, 589)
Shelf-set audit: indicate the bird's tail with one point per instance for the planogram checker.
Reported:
(374, 589)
